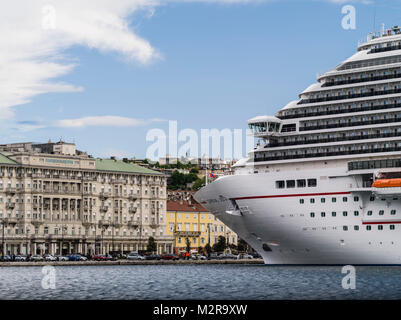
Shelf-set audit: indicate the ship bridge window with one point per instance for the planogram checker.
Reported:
(280, 184)
(312, 182)
(290, 183)
(301, 183)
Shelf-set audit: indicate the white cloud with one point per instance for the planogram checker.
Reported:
(34, 35)
(104, 121)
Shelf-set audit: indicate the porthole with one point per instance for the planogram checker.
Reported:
(392, 227)
(323, 214)
(312, 214)
(301, 201)
(333, 199)
(322, 200)
(333, 214)
(356, 228)
(369, 213)
(266, 247)
(345, 199)
(312, 200)
(356, 213)
(380, 227)
(345, 213)
(393, 212)
(356, 199)
(345, 228)
(381, 212)
(368, 228)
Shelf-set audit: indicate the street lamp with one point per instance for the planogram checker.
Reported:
(3, 221)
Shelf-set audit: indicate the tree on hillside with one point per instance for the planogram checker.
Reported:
(152, 247)
(220, 245)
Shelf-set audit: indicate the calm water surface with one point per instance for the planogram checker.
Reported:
(200, 282)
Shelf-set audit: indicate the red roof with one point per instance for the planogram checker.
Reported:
(185, 206)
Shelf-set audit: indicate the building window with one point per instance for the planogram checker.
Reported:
(312, 182)
(290, 183)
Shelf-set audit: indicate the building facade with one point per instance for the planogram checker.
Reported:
(189, 219)
(58, 200)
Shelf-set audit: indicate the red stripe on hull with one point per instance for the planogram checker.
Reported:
(382, 222)
(292, 195)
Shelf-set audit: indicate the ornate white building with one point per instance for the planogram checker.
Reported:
(56, 199)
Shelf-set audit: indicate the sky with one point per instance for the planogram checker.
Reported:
(103, 73)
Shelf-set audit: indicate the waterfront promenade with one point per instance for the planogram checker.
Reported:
(128, 262)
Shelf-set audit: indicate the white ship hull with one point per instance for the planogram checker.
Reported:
(277, 219)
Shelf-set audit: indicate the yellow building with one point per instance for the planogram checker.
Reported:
(189, 219)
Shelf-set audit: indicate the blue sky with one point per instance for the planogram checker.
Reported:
(216, 66)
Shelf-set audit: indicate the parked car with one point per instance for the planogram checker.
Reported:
(61, 258)
(198, 257)
(226, 256)
(244, 256)
(74, 257)
(135, 256)
(213, 255)
(20, 257)
(36, 258)
(102, 257)
(255, 255)
(49, 257)
(5, 258)
(169, 256)
(153, 257)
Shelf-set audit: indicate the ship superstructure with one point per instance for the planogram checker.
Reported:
(310, 191)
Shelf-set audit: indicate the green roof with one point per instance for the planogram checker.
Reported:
(5, 160)
(121, 166)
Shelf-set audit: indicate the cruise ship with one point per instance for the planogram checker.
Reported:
(323, 184)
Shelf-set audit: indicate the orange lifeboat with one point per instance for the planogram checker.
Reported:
(387, 183)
